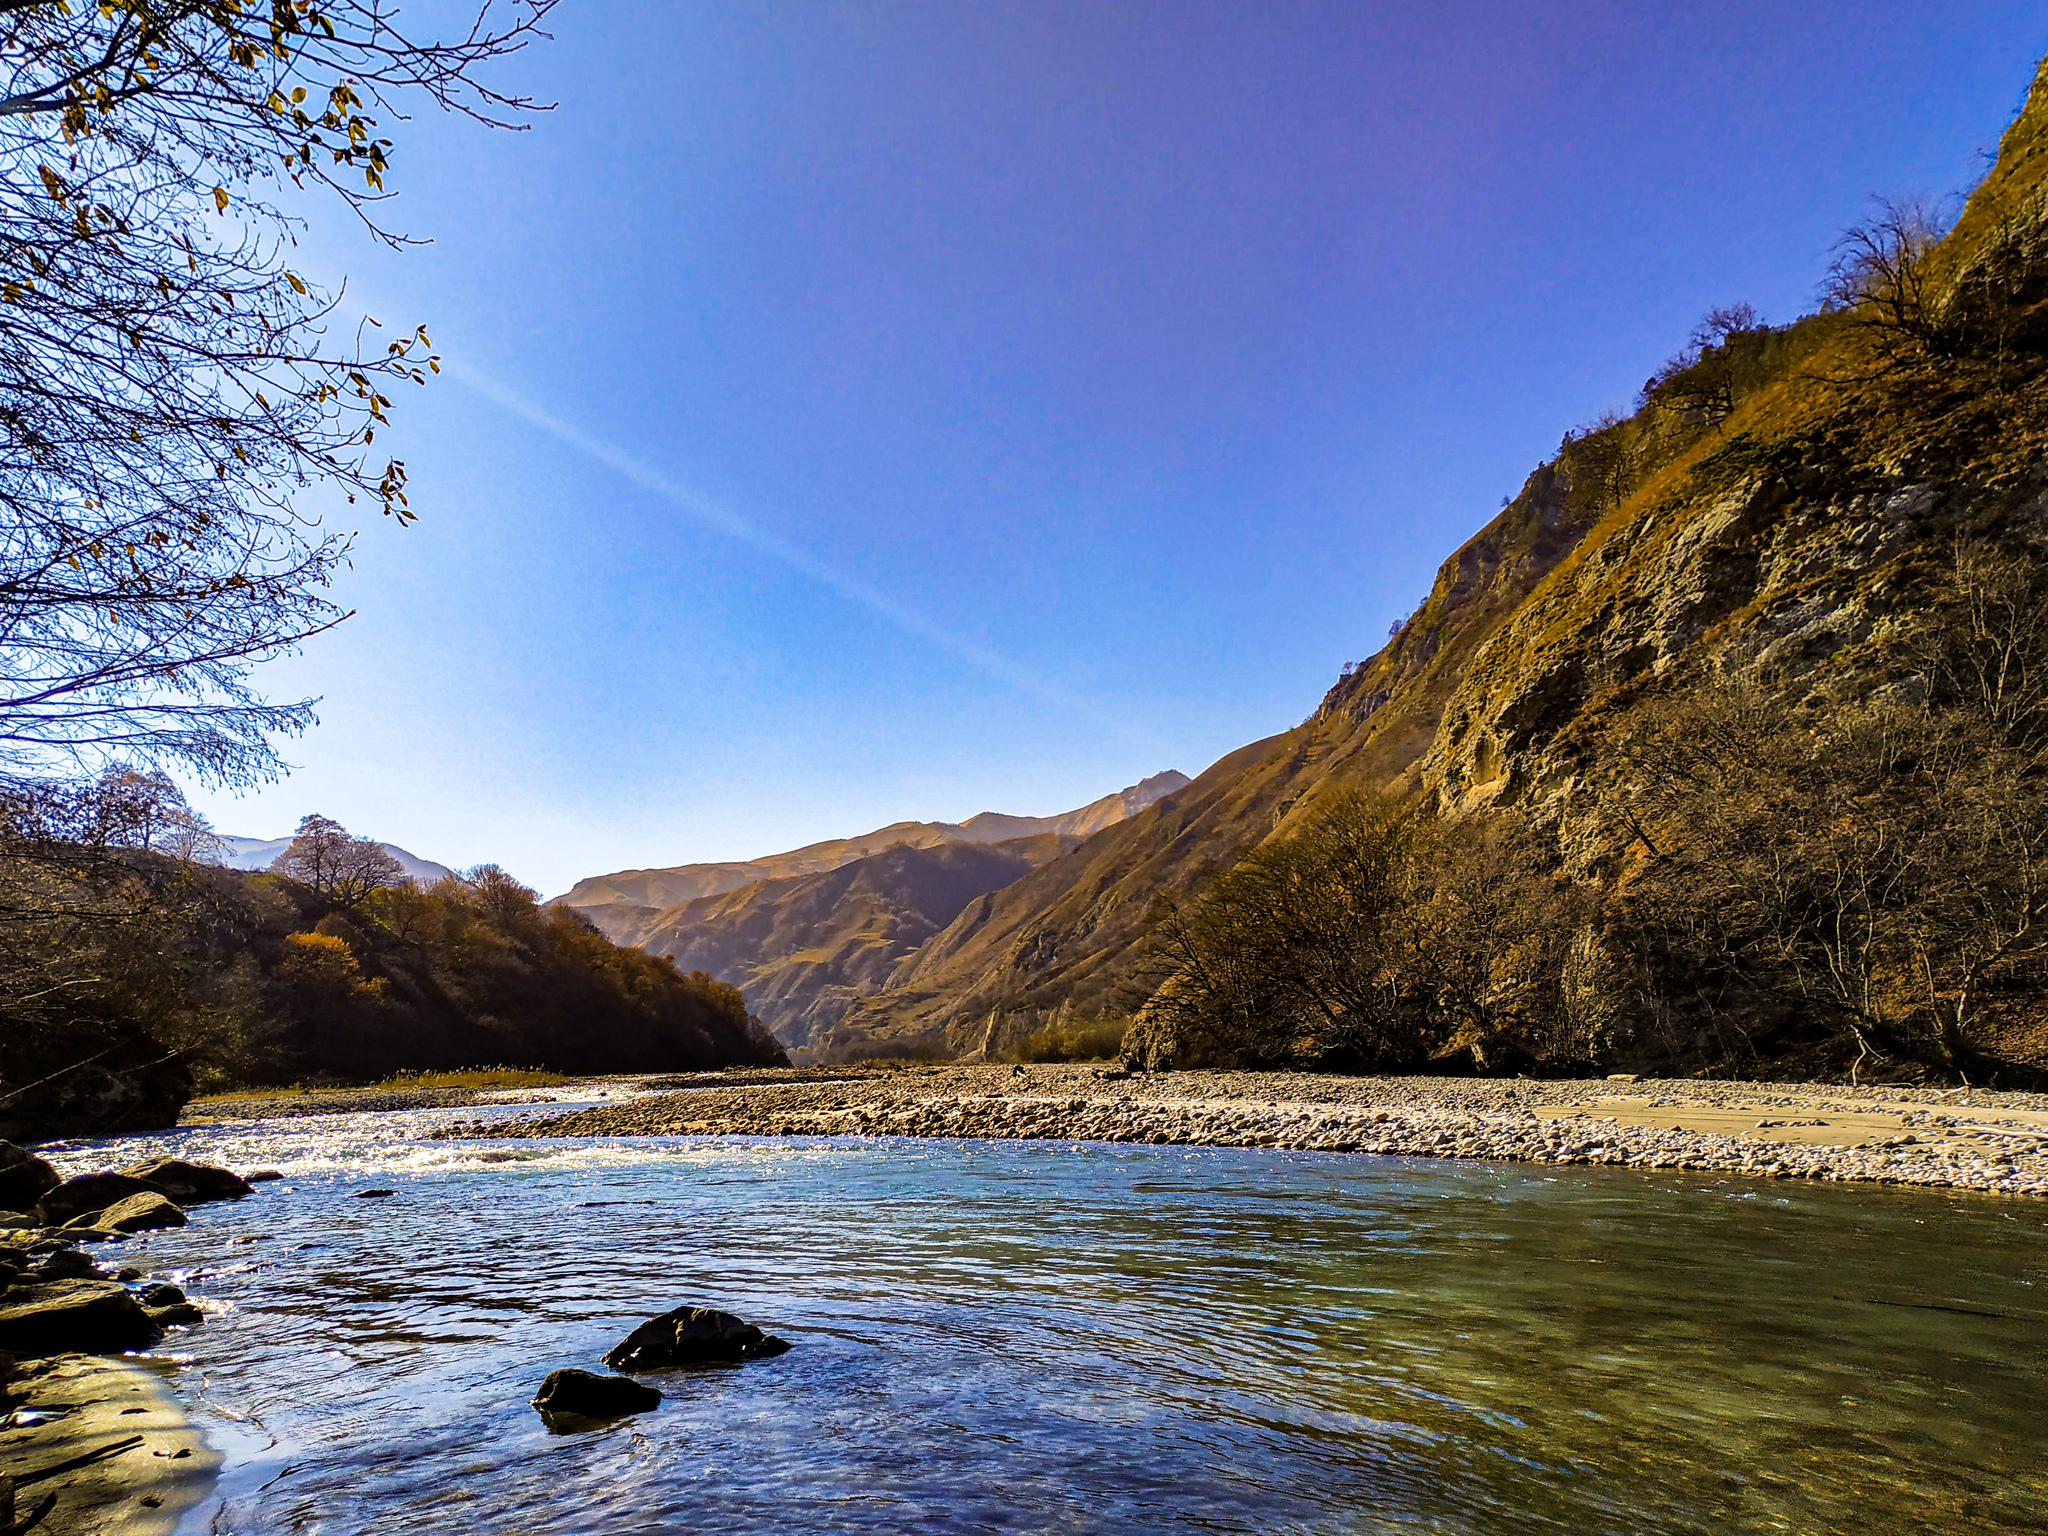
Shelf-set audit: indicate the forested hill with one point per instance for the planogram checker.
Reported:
(149, 977)
(1786, 509)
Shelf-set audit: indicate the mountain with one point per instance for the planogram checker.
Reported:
(808, 932)
(1774, 509)
(659, 888)
(257, 853)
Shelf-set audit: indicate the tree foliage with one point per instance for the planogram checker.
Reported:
(346, 870)
(171, 386)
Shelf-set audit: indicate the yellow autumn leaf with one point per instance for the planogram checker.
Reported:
(220, 199)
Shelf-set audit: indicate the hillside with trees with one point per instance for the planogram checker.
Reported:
(1716, 750)
(131, 976)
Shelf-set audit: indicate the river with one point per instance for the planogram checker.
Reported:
(1080, 1337)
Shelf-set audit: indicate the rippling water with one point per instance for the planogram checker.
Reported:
(1071, 1337)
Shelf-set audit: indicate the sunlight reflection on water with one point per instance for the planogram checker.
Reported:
(1073, 1337)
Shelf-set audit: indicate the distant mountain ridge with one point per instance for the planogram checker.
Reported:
(665, 887)
(258, 853)
(808, 933)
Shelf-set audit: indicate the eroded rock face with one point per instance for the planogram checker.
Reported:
(692, 1336)
(91, 1317)
(190, 1183)
(24, 1178)
(587, 1395)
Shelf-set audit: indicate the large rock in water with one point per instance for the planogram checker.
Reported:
(587, 1395)
(190, 1183)
(139, 1213)
(87, 1193)
(24, 1178)
(692, 1336)
(91, 1317)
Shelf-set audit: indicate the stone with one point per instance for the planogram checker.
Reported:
(140, 1213)
(91, 1317)
(692, 1336)
(68, 1264)
(373, 1194)
(579, 1394)
(263, 1176)
(24, 1178)
(16, 1221)
(180, 1314)
(88, 1193)
(190, 1183)
(164, 1295)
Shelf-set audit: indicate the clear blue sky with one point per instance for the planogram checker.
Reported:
(883, 411)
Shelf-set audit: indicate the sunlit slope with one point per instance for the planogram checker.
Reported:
(604, 898)
(1786, 537)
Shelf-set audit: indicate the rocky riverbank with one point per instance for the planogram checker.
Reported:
(90, 1443)
(1995, 1142)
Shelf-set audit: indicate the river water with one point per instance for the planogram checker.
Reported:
(1077, 1337)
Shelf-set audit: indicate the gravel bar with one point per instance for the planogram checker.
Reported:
(1957, 1139)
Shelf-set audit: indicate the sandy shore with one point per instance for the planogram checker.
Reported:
(112, 1453)
(1995, 1142)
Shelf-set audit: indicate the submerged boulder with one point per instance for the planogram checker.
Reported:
(90, 1317)
(190, 1183)
(579, 1394)
(692, 1336)
(24, 1178)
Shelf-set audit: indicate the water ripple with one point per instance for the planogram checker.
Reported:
(1065, 1337)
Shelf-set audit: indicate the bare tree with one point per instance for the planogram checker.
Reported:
(344, 869)
(1703, 378)
(1880, 277)
(169, 383)
(146, 809)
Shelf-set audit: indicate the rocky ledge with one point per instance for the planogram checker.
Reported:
(1960, 1139)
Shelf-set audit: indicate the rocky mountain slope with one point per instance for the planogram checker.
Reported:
(808, 932)
(1780, 523)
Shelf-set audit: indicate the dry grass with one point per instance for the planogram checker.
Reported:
(467, 1077)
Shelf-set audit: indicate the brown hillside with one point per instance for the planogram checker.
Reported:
(1785, 535)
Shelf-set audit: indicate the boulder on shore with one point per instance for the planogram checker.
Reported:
(692, 1336)
(88, 1317)
(87, 1193)
(587, 1395)
(190, 1183)
(24, 1178)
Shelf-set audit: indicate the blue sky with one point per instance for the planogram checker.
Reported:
(873, 412)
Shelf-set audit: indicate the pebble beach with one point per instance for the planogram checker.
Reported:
(1950, 1138)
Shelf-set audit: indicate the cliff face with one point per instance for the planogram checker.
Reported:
(1787, 534)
